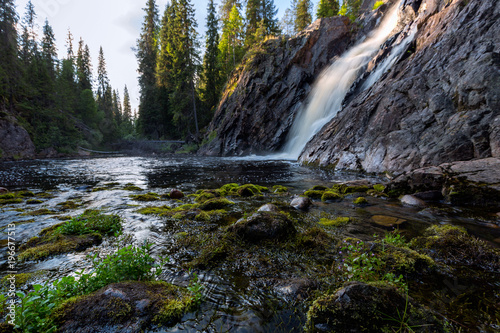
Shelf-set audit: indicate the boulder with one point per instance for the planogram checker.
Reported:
(262, 226)
(15, 142)
(176, 194)
(412, 200)
(301, 203)
(361, 307)
(268, 208)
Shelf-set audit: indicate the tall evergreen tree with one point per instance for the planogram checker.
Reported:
(287, 22)
(226, 7)
(84, 66)
(102, 75)
(328, 8)
(69, 46)
(231, 43)
(49, 49)
(253, 16)
(9, 66)
(269, 17)
(211, 76)
(350, 8)
(107, 125)
(149, 119)
(127, 109)
(28, 37)
(303, 16)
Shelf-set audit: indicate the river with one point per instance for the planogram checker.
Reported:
(233, 301)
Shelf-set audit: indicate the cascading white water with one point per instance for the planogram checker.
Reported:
(326, 98)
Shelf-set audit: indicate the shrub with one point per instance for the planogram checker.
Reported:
(378, 4)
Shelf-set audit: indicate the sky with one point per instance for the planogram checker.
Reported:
(113, 24)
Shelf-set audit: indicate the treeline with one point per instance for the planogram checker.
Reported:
(54, 98)
(179, 90)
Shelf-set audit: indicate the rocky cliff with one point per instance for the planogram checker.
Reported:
(15, 141)
(440, 104)
(267, 90)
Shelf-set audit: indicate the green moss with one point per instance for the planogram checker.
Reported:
(43, 211)
(379, 187)
(319, 188)
(204, 196)
(20, 279)
(7, 196)
(228, 189)
(313, 194)
(184, 207)
(377, 4)
(25, 194)
(131, 187)
(68, 205)
(34, 202)
(360, 201)
(215, 203)
(337, 222)
(355, 189)
(218, 215)
(10, 201)
(145, 197)
(61, 244)
(279, 189)
(331, 196)
(98, 189)
(161, 211)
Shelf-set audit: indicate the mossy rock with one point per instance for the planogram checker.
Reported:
(377, 194)
(355, 189)
(263, 225)
(160, 211)
(41, 248)
(279, 189)
(131, 187)
(68, 205)
(34, 202)
(336, 222)
(145, 197)
(453, 246)
(360, 201)
(361, 307)
(331, 196)
(228, 189)
(314, 238)
(204, 196)
(314, 194)
(10, 201)
(319, 188)
(43, 211)
(215, 203)
(119, 306)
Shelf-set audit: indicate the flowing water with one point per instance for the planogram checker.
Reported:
(326, 98)
(234, 300)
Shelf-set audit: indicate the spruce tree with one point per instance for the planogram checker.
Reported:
(328, 8)
(9, 66)
(269, 17)
(211, 77)
(303, 16)
(231, 42)
(350, 8)
(28, 45)
(49, 49)
(149, 118)
(83, 66)
(287, 22)
(253, 16)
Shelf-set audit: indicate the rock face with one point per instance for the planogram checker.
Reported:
(15, 141)
(439, 104)
(475, 182)
(262, 98)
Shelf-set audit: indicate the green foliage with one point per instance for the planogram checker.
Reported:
(337, 222)
(327, 8)
(127, 264)
(360, 201)
(302, 12)
(92, 221)
(195, 287)
(35, 307)
(360, 264)
(377, 4)
(350, 8)
(379, 187)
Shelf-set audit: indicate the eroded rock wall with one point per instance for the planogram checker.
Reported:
(15, 142)
(440, 104)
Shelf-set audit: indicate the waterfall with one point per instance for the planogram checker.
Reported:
(325, 100)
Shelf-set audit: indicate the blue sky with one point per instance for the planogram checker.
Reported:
(114, 24)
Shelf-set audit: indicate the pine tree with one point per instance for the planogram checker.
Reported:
(102, 76)
(127, 109)
(105, 100)
(287, 22)
(303, 16)
(328, 8)
(49, 49)
(253, 17)
(350, 8)
(231, 43)
(226, 7)
(84, 66)
(149, 118)
(183, 53)
(9, 66)
(211, 68)
(269, 16)
(28, 37)
(69, 46)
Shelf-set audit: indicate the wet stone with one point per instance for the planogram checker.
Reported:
(176, 194)
(387, 221)
(268, 208)
(263, 225)
(301, 203)
(412, 200)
